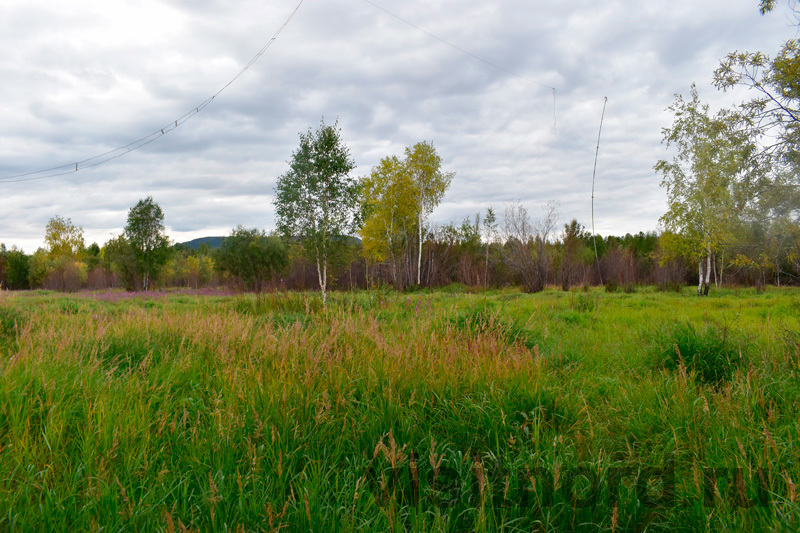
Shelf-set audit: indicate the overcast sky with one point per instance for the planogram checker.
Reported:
(83, 77)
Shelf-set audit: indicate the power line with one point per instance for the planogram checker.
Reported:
(94, 161)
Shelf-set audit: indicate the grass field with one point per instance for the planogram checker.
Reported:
(443, 411)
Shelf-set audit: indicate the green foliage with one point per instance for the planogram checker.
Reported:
(703, 193)
(37, 268)
(711, 352)
(63, 238)
(424, 167)
(144, 232)
(120, 258)
(188, 268)
(16, 267)
(397, 197)
(252, 256)
(573, 249)
(389, 211)
(316, 201)
(91, 257)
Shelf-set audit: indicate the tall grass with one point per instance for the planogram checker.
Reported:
(387, 411)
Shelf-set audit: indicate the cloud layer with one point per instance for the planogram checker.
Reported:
(84, 77)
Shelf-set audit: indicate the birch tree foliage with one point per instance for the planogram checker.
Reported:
(772, 118)
(145, 232)
(316, 200)
(706, 181)
(430, 183)
(390, 210)
(63, 238)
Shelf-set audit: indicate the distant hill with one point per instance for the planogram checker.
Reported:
(213, 242)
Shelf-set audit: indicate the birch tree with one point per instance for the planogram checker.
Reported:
(430, 183)
(63, 238)
(490, 233)
(316, 200)
(145, 234)
(390, 213)
(705, 181)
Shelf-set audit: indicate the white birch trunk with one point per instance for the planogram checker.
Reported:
(419, 256)
(486, 268)
(322, 278)
(325, 283)
(700, 280)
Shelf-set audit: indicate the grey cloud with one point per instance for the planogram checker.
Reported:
(78, 91)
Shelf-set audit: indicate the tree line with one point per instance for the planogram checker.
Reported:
(733, 216)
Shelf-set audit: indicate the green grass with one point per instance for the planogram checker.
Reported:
(443, 411)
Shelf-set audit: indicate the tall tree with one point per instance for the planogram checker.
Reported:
(430, 183)
(389, 213)
(119, 259)
(145, 234)
(705, 181)
(572, 241)
(63, 238)
(316, 201)
(16, 268)
(772, 119)
(489, 233)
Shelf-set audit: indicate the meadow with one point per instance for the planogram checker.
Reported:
(427, 411)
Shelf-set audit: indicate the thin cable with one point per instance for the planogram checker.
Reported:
(467, 52)
(147, 139)
(597, 151)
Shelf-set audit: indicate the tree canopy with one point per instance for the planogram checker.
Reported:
(316, 200)
(145, 233)
(252, 256)
(63, 238)
(705, 189)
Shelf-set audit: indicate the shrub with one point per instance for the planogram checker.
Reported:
(709, 352)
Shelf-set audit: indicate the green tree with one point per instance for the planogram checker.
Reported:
(316, 201)
(705, 181)
(490, 234)
(16, 269)
(91, 256)
(572, 241)
(119, 258)
(252, 256)
(145, 234)
(63, 238)
(389, 213)
(772, 119)
(37, 267)
(430, 183)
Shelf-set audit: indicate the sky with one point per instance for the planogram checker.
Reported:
(84, 77)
